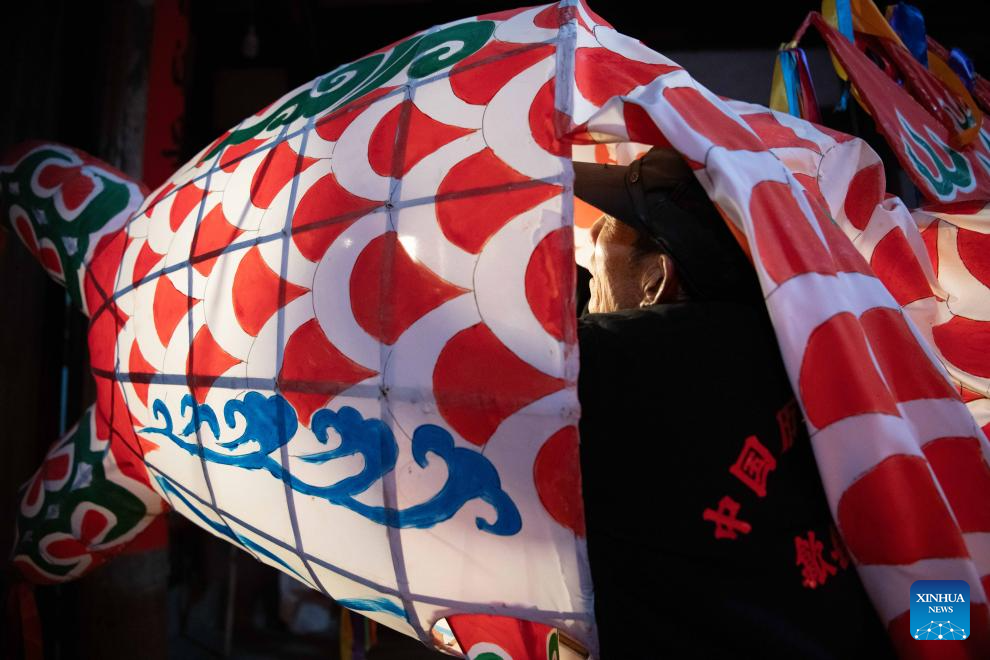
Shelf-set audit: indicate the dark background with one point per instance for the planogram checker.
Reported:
(73, 72)
(301, 40)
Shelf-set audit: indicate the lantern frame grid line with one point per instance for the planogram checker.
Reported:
(191, 361)
(389, 486)
(390, 591)
(283, 452)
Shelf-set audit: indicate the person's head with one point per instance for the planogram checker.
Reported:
(628, 270)
(662, 240)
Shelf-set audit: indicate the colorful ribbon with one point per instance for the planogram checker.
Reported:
(792, 90)
(909, 24)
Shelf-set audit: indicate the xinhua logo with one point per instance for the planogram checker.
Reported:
(940, 610)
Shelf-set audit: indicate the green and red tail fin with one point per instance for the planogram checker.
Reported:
(89, 501)
(62, 203)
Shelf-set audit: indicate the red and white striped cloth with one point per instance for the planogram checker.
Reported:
(882, 316)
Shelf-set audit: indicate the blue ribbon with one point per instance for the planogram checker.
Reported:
(963, 66)
(844, 18)
(909, 24)
(788, 73)
(843, 14)
(843, 99)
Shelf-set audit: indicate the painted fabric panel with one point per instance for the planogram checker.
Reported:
(342, 336)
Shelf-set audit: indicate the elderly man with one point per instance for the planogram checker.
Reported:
(708, 529)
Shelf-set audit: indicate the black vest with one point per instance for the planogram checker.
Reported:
(708, 529)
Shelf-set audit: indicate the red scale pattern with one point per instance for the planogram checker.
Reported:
(555, 16)
(601, 74)
(845, 256)
(774, 134)
(489, 211)
(258, 292)
(277, 168)
(213, 234)
(641, 128)
(410, 289)
(140, 371)
(828, 392)
(477, 78)
(479, 382)
(866, 191)
(333, 125)
(146, 260)
(962, 470)
(169, 306)
(930, 238)
(323, 213)
(159, 196)
(904, 278)
(551, 128)
(787, 244)
(974, 250)
(557, 474)
(909, 373)
(549, 294)
(704, 117)
(206, 362)
(183, 202)
(421, 136)
(963, 342)
(873, 536)
(314, 371)
(235, 153)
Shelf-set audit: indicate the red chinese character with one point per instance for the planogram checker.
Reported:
(839, 553)
(753, 465)
(726, 523)
(789, 422)
(814, 569)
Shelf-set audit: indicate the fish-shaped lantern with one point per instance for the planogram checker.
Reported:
(343, 336)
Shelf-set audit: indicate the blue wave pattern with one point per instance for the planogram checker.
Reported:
(374, 605)
(271, 423)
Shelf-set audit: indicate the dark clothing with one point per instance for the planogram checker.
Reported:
(671, 397)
